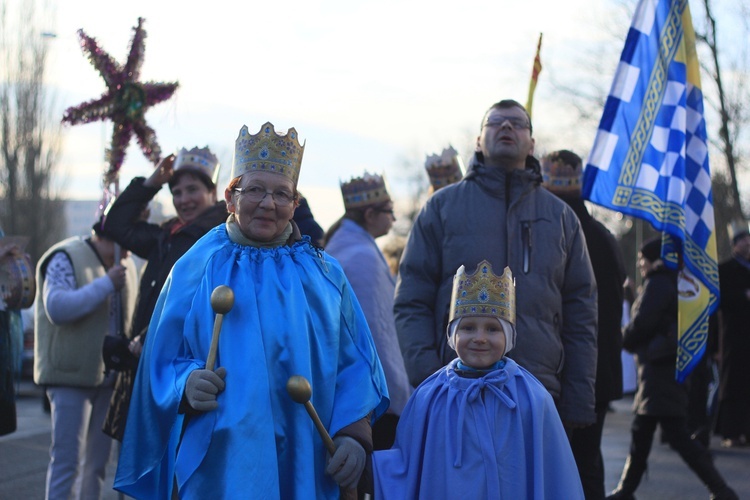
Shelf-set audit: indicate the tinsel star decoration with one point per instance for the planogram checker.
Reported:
(125, 102)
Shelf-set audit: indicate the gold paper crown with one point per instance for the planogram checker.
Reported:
(483, 293)
(444, 169)
(562, 172)
(359, 192)
(200, 159)
(736, 228)
(268, 151)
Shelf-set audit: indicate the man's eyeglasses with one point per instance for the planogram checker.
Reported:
(257, 194)
(515, 123)
(384, 211)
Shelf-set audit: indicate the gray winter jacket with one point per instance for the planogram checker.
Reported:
(540, 238)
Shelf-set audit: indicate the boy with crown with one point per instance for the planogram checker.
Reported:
(234, 432)
(482, 426)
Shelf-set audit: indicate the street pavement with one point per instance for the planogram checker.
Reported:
(24, 455)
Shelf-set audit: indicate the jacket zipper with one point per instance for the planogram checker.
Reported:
(526, 240)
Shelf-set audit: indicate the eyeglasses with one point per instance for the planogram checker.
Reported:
(257, 194)
(384, 211)
(515, 123)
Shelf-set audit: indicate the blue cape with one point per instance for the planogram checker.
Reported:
(371, 280)
(294, 314)
(498, 436)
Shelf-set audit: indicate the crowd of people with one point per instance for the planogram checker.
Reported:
(426, 373)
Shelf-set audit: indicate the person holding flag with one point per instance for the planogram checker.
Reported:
(650, 160)
(660, 400)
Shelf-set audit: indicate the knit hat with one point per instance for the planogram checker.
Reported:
(651, 249)
(737, 229)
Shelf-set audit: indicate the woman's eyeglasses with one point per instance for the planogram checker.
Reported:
(256, 194)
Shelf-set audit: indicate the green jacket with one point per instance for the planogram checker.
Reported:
(70, 354)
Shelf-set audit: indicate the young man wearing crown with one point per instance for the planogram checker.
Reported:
(562, 175)
(481, 427)
(191, 177)
(500, 212)
(234, 432)
(351, 241)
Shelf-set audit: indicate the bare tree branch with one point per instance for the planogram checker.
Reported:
(30, 135)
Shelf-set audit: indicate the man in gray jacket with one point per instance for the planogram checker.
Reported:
(499, 212)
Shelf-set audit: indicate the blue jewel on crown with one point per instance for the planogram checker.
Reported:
(267, 130)
(483, 295)
(263, 152)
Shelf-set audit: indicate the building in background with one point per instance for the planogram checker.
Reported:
(80, 214)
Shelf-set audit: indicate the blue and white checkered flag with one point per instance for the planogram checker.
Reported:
(650, 158)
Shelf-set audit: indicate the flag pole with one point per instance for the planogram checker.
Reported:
(537, 68)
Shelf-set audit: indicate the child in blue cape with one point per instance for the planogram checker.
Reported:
(482, 426)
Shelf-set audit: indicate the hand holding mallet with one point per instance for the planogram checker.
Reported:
(222, 301)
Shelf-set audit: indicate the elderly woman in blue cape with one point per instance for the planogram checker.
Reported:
(235, 432)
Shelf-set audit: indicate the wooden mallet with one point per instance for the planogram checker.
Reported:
(300, 391)
(222, 301)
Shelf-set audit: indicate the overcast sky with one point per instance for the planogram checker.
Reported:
(368, 84)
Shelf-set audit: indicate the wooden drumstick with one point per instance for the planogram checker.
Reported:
(222, 301)
(299, 389)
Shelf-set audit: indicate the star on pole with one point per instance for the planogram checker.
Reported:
(125, 102)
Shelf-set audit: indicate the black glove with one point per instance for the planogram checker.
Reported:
(202, 386)
(347, 464)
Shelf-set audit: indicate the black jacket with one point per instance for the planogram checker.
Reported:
(304, 219)
(735, 335)
(609, 271)
(154, 242)
(161, 249)
(652, 337)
